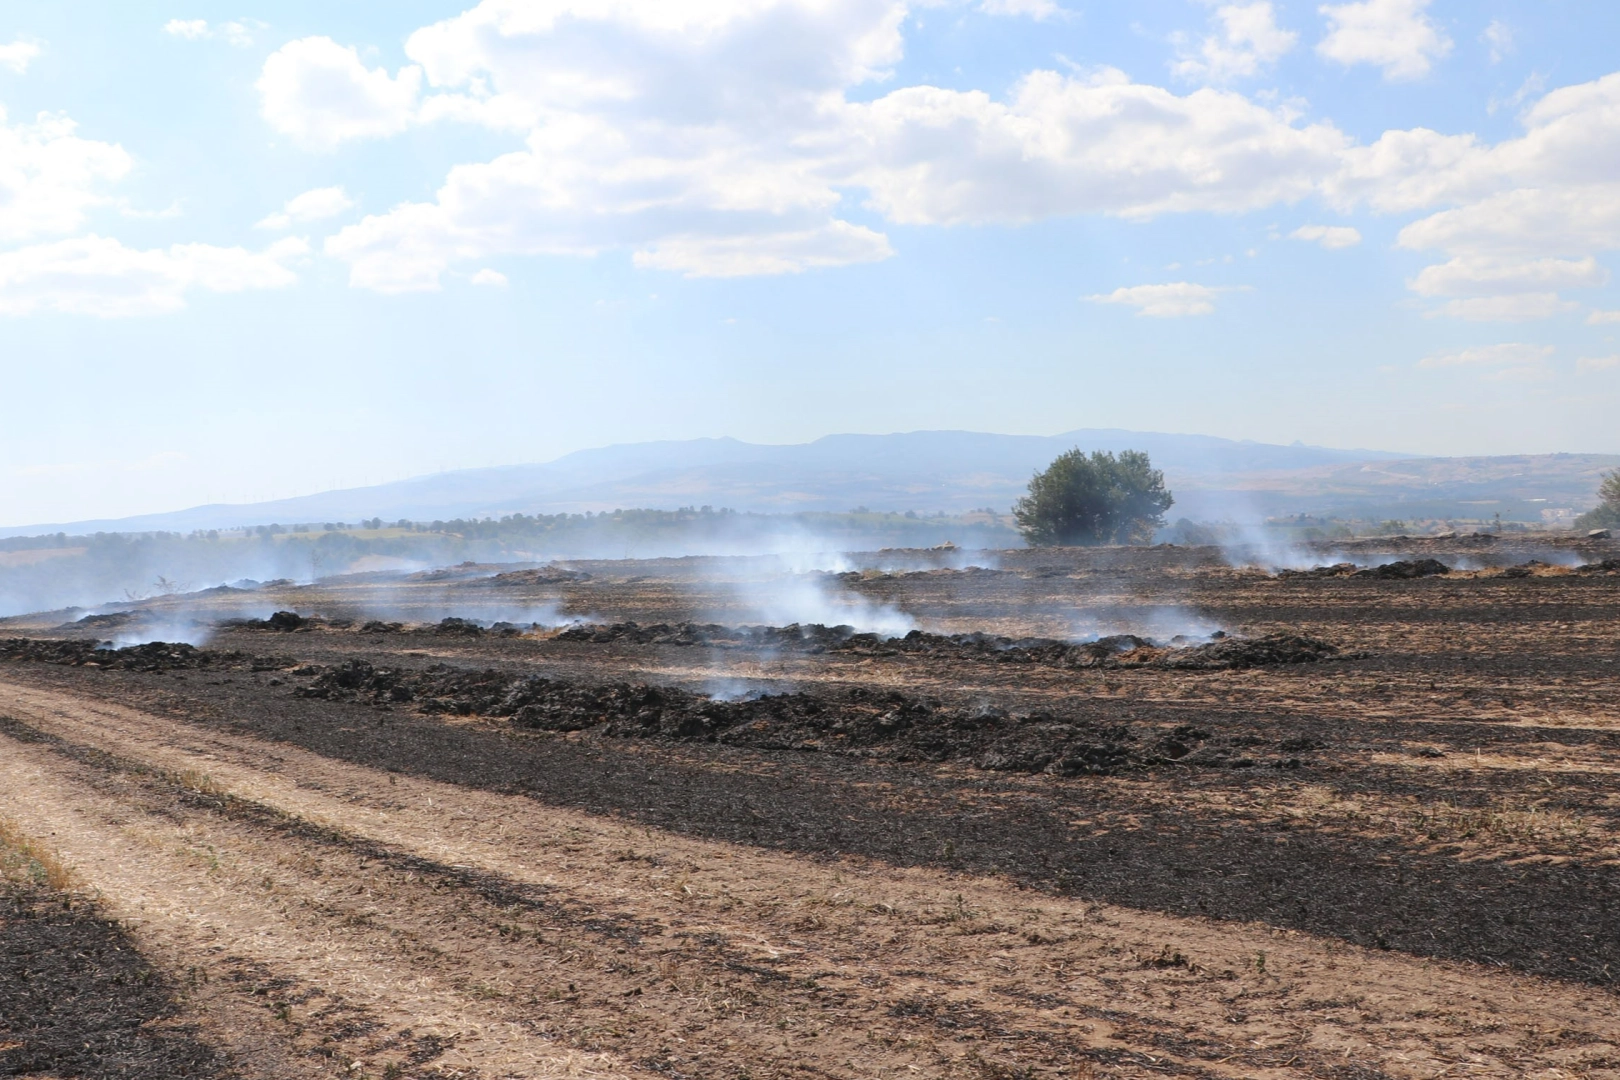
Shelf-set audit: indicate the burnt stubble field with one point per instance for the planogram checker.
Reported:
(1062, 812)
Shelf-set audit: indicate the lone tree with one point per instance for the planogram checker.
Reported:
(1098, 499)
(1607, 513)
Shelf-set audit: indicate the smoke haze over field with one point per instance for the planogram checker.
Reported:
(58, 571)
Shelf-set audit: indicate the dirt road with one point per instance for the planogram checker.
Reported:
(302, 914)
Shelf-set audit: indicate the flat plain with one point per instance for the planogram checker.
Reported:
(1107, 812)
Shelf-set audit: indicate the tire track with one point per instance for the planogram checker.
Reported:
(601, 946)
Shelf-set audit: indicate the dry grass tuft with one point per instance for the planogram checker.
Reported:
(22, 859)
(197, 781)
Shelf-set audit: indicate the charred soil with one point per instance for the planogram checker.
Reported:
(1375, 802)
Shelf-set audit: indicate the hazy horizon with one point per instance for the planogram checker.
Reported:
(13, 526)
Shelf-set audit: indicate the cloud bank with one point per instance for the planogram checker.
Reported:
(742, 137)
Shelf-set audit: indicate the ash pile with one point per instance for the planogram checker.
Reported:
(1118, 650)
(886, 726)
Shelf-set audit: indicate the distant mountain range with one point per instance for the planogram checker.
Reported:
(1214, 479)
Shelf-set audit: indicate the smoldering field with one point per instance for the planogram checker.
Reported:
(1111, 812)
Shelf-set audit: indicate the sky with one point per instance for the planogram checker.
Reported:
(252, 252)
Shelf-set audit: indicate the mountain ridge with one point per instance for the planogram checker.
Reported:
(922, 470)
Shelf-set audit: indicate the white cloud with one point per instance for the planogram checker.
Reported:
(1247, 39)
(1506, 354)
(1395, 35)
(1525, 221)
(486, 276)
(190, 29)
(1407, 170)
(18, 55)
(236, 32)
(1035, 9)
(1527, 373)
(1587, 364)
(837, 244)
(1526, 215)
(1485, 275)
(50, 178)
(1519, 307)
(319, 93)
(729, 137)
(240, 33)
(1168, 301)
(1603, 318)
(1534, 83)
(1064, 145)
(718, 139)
(1499, 37)
(316, 205)
(706, 139)
(93, 275)
(1332, 237)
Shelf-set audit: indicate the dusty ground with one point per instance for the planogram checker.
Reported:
(1402, 860)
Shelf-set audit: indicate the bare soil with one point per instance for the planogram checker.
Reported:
(369, 843)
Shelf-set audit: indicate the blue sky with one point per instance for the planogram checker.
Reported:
(254, 252)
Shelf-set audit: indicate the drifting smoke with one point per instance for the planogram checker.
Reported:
(814, 558)
(1157, 624)
(173, 631)
(408, 605)
(805, 599)
(45, 573)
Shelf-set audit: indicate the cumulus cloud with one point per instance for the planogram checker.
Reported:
(1169, 301)
(1246, 39)
(1329, 236)
(321, 94)
(1063, 145)
(736, 137)
(50, 178)
(720, 139)
(18, 55)
(94, 275)
(705, 139)
(1507, 354)
(1527, 214)
(1395, 35)
(1603, 318)
(489, 277)
(51, 181)
(1588, 364)
(316, 205)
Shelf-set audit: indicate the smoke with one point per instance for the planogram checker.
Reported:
(1157, 623)
(804, 599)
(173, 631)
(44, 573)
(816, 556)
(1255, 546)
(430, 606)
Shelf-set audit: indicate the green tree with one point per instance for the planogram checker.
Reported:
(1607, 513)
(1096, 499)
